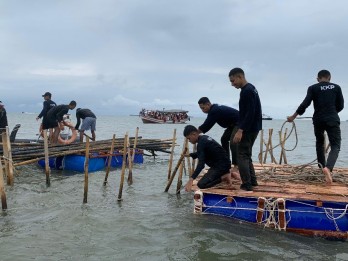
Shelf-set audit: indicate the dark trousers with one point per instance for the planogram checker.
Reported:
(245, 163)
(227, 144)
(213, 177)
(334, 133)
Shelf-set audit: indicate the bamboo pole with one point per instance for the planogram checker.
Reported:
(267, 145)
(5, 154)
(193, 160)
(130, 163)
(124, 163)
(2, 188)
(171, 154)
(10, 180)
(109, 160)
(181, 169)
(131, 158)
(282, 139)
(47, 160)
(273, 160)
(261, 147)
(284, 154)
(175, 170)
(85, 192)
(188, 159)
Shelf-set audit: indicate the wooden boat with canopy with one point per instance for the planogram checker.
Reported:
(174, 116)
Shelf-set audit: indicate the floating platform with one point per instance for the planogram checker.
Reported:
(75, 162)
(294, 206)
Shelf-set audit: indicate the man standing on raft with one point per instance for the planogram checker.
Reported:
(328, 102)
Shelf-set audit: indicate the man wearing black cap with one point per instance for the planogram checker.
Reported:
(47, 105)
(3, 119)
(211, 153)
(55, 117)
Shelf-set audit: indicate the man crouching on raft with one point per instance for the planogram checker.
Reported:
(211, 153)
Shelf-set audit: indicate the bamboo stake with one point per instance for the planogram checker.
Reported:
(188, 159)
(261, 147)
(284, 154)
(130, 165)
(10, 180)
(124, 162)
(5, 154)
(109, 160)
(273, 160)
(2, 188)
(181, 170)
(175, 170)
(171, 154)
(282, 143)
(47, 163)
(268, 144)
(131, 158)
(85, 193)
(193, 160)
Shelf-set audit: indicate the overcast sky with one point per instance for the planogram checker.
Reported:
(117, 57)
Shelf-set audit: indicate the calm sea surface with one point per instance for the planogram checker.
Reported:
(52, 223)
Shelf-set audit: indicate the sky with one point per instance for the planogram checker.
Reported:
(117, 57)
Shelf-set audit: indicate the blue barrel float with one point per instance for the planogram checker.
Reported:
(76, 162)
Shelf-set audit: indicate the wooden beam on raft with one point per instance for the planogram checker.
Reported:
(124, 163)
(107, 170)
(47, 162)
(85, 191)
(2, 188)
(171, 154)
(175, 170)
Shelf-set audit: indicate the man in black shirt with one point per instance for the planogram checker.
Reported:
(89, 122)
(227, 118)
(47, 105)
(3, 119)
(211, 153)
(55, 117)
(328, 101)
(250, 123)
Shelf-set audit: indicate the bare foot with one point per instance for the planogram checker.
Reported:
(227, 179)
(328, 177)
(235, 174)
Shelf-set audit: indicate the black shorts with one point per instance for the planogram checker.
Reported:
(48, 123)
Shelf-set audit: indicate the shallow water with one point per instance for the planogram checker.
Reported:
(52, 223)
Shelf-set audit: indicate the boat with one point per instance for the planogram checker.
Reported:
(174, 116)
(266, 117)
(307, 208)
(97, 161)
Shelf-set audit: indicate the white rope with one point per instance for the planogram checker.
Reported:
(330, 215)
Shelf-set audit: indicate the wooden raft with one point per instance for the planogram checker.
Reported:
(337, 192)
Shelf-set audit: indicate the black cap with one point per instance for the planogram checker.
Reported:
(47, 94)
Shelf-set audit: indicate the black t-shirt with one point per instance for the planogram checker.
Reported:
(211, 153)
(223, 115)
(327, 101)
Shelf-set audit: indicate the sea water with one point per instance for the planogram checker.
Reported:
(52, 223)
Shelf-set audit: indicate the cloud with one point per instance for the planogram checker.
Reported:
(66, 70)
